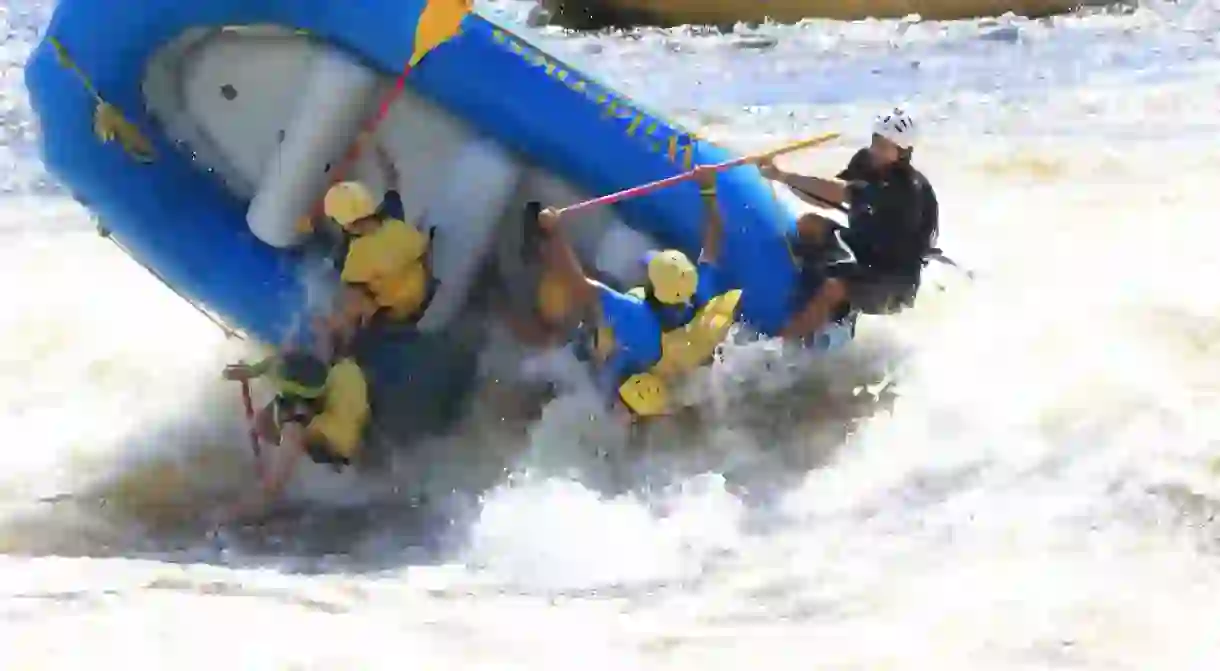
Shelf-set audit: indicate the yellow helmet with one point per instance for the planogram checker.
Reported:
(672, 276)
(645, 395)
(554, 299)
(349, 202)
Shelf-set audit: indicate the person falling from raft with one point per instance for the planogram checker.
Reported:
(893, 223)
(385, 267)
(652, 334)
(545, 330)
(320, 410)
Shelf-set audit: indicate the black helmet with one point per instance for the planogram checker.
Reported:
(301, 374)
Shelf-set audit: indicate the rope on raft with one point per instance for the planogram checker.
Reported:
(229, 332)
(110, 125)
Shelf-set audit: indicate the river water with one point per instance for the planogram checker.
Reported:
(1018, 474)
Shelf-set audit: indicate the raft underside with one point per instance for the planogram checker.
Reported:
(226, 98)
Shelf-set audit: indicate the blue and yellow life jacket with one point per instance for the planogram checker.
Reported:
(691, 333)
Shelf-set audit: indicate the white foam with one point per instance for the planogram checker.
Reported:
(1038, 495)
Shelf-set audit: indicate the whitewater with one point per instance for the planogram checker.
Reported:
(1020, 473)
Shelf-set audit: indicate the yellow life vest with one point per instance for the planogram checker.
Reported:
(402, 293)
(645, 394)
(389, 261)
(691, 345)
(394, 245)
(345, 410)
(683, 349)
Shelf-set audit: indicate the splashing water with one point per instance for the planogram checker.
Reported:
(1018, 474)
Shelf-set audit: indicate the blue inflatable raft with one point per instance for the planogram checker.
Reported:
(200, 134)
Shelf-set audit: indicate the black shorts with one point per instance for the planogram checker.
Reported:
(874, 292)
(320, 452)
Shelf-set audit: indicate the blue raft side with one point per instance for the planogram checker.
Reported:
(184, 224)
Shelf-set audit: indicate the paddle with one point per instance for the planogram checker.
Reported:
(339, 173)
(717, 167)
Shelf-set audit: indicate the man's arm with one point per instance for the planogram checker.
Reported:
(802, 323)
(816, 190)
(558, 254)
(249, 371)
(812, 190)
(292, 439)
(816, 313)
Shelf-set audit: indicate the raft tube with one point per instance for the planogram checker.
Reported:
(199, 133)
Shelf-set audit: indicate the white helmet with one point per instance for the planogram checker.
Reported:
(897, 127)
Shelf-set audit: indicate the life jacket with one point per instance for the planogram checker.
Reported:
(859, 169)
(684, 348)
(624, 339)
(391, 263)
(645, 395)
(902, 250)
(333, 405)
(860, 255)
(335, 434)
(691, 333)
